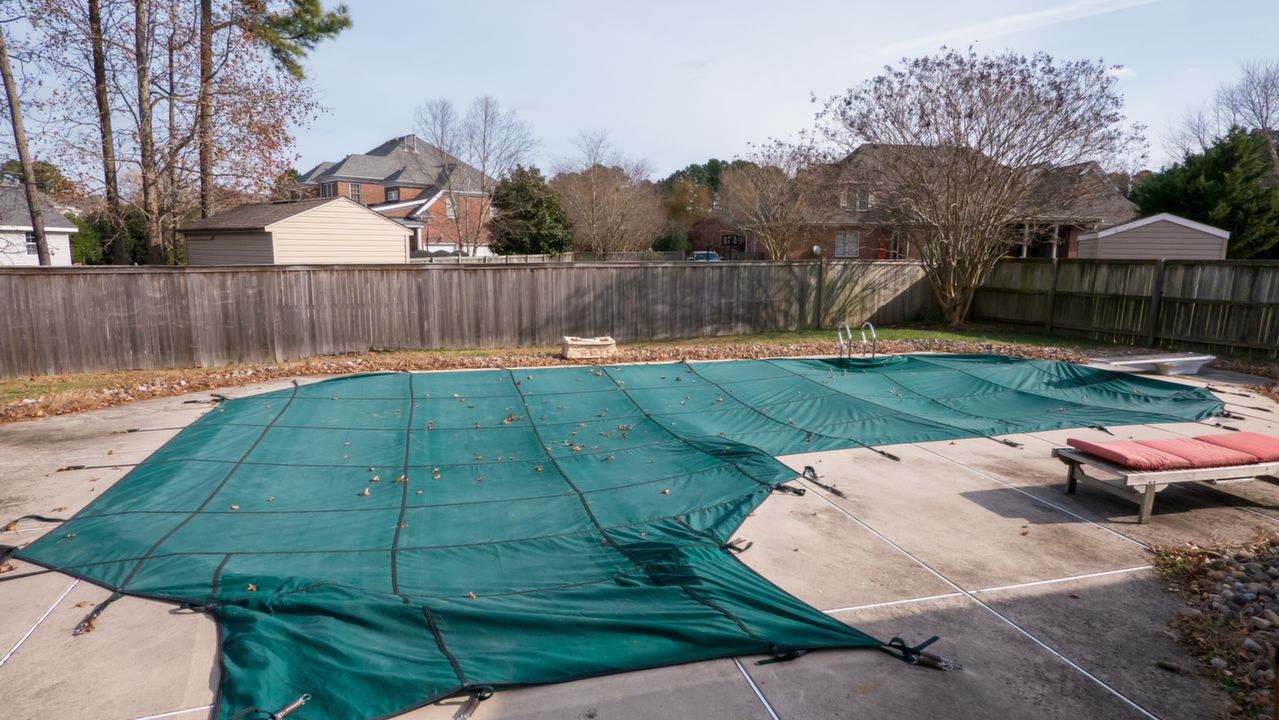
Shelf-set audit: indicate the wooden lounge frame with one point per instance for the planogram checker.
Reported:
(1140, 486)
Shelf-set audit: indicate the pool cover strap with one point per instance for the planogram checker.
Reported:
(385, 540)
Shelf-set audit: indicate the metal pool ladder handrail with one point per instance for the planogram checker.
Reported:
(845, 343)
(874, 340)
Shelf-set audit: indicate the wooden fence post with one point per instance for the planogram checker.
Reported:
(821, 294)
(1156, 296)
(1052, 300)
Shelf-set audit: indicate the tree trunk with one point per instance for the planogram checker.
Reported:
(24, 159)
(146, 135)
(204, 108)
(119, 247)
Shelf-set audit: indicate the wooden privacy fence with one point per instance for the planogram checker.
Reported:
(59, 320)
(1218, 306)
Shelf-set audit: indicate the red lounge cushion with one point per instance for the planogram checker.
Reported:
(1131, 453)
(1201, 454)
(1264, 447)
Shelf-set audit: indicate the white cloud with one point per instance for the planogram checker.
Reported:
(1021, 22)
(1121, 71)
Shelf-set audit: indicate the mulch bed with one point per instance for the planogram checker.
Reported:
(124, 387)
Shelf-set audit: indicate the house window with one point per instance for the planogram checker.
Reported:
(856, 197)
(392, 194)
(449, 208)
(328, 190)
(355, 192)
(848, 243)
(32, 247)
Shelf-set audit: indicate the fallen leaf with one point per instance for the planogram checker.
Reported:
(83, 603)
(251, 588)
(375, 478)
(58, 509)
(471, 595)
(366, 493)
(7, 567)
(235, 507)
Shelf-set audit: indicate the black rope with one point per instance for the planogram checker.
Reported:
(915, 655)
(811, 476)
(12, 524)
(87, 624)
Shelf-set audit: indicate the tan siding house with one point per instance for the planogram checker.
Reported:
(318, 231)
(1163, 236)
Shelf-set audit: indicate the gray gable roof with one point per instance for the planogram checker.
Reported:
(15, 213)
(255, 216)
(406, 160)
(310, 175)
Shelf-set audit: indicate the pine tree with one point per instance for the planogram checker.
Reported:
(527, 217)
(1230, 185)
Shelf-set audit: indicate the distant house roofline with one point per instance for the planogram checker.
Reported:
(1161, 217)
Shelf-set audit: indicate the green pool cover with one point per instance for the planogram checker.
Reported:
(381, 541)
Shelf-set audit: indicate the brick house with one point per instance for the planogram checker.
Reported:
(861, 222)
(411, 182)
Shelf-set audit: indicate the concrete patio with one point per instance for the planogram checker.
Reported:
(1046, 599)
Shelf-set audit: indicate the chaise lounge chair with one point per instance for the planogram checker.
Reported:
(1141, 468)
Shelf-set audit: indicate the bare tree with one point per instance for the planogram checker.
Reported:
(608, 198)
(1251, 102)
(467, 155)
(775, 198)
(102, 102)
(142, 31)
(24, 157)
(974, 149)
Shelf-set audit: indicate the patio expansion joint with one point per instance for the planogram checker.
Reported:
(758, 693)
(175, 713)
(40, 620)
(972, 596)
(1001, 588)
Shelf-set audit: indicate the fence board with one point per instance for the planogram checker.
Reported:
(1217, 306)
(85, 319)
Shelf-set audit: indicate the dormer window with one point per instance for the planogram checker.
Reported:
(392, 194)
(328, 190)
(855, 197)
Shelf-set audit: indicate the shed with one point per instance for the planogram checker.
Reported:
(317, 231)
(1162, 236)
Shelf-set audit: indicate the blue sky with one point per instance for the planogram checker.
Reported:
(679, 82)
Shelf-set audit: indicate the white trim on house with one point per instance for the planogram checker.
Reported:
(397, 204)
(47, 228)
(1161, 217)
(426, 205)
